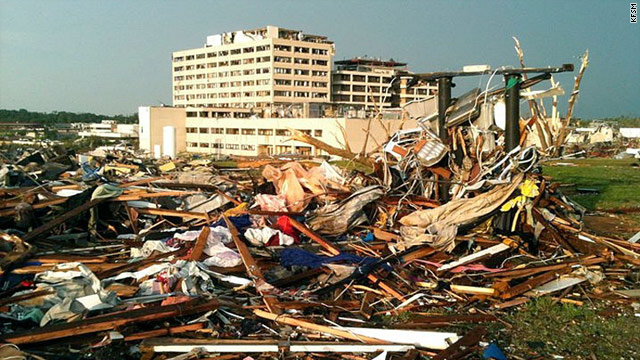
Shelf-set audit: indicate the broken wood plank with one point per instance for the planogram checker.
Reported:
(201, 242)
(62, 219)
(252, 267)
(163, 332)
(108, 322)
(284, 319)
(335, 251)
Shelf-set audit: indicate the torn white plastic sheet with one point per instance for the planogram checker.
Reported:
(148, 271)
(420, 338)
(330, 173)
(149, 247)
(260, 237)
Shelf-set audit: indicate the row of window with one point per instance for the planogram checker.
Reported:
(300, 94)
(248, 50)
(212, 54)
(237, 131)
(249, 83)
(257, 71)
(215, 85)
(222, 146)
(248, 94)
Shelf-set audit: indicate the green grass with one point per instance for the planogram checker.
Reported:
(352, 165)
(542, 328)
(617, 180)
(228, 164)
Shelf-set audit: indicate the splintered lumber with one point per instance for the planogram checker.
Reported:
(108, 322)
(335, 251)
(40, 205)
(529, 284)
(176, 213)
(318, 144)
(201, 242)
(164, 331)
(178, 345)
(27, 296)
(284, 319)
(252, 266)
(572, 100)
(132, 197)
(62, 219)
(460, 348)
(482, 254)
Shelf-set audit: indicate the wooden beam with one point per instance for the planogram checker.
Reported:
(284, 319)
(108, 322)
(252, 266)
(164, 331)
(201, 242)
(335, 251)
(62, 219)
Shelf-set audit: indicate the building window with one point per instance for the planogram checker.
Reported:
(178, 59)
(204, 130)
(248, 147)
(178, 68)
(248, 131)
(235, 51)
(192, 114)
(217, 131)
(283, 132)
(263, 47)
(301, 72)
(317, 133)
(282, 48)
(282, 82)
(192, 144)
(192, 130)
(301, 50)
(233, 132)
(301, 61)
(319, 51)
(282, 59)
(320, 62)
(282, 93)
(266, 132)
(204, 145)
(200, 56)
(281, 71)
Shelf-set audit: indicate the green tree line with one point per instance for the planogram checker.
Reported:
(56, 117)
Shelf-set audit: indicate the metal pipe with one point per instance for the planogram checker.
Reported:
(444, 99)
(512, 100)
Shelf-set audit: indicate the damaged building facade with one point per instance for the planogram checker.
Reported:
(244, 91)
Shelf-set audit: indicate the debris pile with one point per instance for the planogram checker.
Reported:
(124, 257)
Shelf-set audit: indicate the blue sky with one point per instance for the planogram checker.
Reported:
(111, 56)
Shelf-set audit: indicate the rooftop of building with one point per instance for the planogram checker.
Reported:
(267, 32)
(366, 61)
